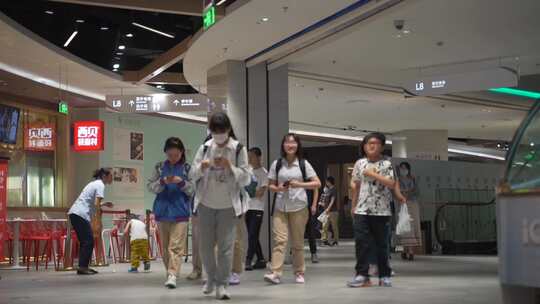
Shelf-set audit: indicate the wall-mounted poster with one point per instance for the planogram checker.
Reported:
(136, 146)
(128, 145)
(128, 182)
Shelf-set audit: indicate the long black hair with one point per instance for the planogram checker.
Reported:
(220, 123)
(101, 173)
(175, 143)
(299, 151)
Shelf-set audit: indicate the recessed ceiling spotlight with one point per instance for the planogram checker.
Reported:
(531, 144)
(104, 28)
(115, 70)
(265, 19)
(116, 66)
(129, 35)
(119, 53)
(406, 32)
(121, 47)
(79, 21)
(49, 12)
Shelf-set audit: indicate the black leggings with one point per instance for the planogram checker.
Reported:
(254, 219)
(86, 239)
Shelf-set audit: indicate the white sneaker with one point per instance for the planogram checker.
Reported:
(300, 279)
(171, 282)
(272, 278)
(234, 279)
(222, 293)
(208, 288)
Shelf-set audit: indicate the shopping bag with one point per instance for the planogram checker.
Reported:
(404, 221)
(323, 218)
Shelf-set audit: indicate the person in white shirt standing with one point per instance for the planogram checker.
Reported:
(81, 213)
(254, 216)
(289, 178)
(138, 243)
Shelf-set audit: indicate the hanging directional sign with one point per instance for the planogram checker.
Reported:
(463, 82)
(163, 103)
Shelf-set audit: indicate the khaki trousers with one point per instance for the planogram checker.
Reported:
(173, 241)
(333, 218)
(283, 223)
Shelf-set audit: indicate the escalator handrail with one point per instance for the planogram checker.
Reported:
(436, 220)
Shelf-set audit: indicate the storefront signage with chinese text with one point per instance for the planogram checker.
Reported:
(88, 136)
(41, 137)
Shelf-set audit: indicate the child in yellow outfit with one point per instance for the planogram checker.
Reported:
(139, 244)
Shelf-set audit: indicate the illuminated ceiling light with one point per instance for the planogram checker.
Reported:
(129, 35)
(471, 153)
(70, 38)
(115, 70)
(152, 30)
(265, 19)
(531, 144)
(79, 21)
(159, 87)
(49, 12)
(119, 53)
(116, 65)
(121, 47)
(104, 28)
(517, 92)
(220, 2)
(406, 32)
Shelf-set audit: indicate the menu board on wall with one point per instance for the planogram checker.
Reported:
(40, 137)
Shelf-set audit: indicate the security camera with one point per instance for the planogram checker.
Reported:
(399, 24)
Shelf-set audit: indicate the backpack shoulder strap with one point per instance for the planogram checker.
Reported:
(279, 163)
(302, 163)
(239, 148)
(205, 149)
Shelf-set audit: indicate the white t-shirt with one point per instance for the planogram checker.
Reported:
(261, 177)
(137, 230)
(218, 195)
(294, 199)
(85, 205)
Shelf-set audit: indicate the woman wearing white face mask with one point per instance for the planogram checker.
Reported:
(407, 186)
(220, 169)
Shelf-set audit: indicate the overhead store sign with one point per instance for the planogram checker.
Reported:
(209, 13)
(464, 82)
(41, 137)
(88, 135)
(163, 103)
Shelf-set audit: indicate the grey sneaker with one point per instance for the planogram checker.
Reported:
(314, 258)
(359, 281)
(385, 282)
(171, 282)
(222, 293)
(208, 288)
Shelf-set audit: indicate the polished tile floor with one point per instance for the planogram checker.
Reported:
(430, 279)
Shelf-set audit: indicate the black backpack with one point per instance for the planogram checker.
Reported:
(302, 164)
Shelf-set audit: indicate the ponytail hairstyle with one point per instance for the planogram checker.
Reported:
(101, 173)
(175, 143)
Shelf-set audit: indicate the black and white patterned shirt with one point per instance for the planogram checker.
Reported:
(374, 197)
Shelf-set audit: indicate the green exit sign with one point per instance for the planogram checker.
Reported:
(63, 107)
(209, 17)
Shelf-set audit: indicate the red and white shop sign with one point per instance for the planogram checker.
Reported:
(40, 137)
(88, 135)
(3, 205)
